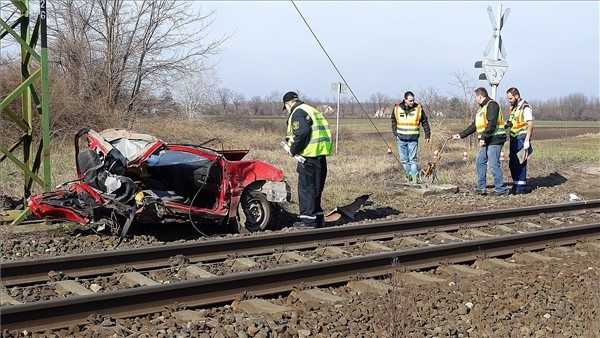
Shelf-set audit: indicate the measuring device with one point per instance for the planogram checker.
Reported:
(430, 170)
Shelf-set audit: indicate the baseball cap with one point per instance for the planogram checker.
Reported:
(288, 97)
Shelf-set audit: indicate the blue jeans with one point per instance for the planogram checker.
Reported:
(518, 170)
(408, 156)
(489, 154)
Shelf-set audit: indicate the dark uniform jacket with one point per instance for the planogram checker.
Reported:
(301, 127)
(493, 109)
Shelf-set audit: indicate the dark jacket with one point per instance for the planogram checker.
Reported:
(301, 128)
(493, 109)
(423, 121)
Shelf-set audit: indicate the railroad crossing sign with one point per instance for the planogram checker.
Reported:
(494, 63)
(493, 71)
(339, 88)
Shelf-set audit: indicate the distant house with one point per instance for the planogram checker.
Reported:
(385, 112)
(437, 113)
(326, 109)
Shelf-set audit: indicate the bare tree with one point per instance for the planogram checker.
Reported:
(575, 105)
(114, 49)
(196, 95)
(256, 105)
(224, 95)
(237, 99)
(466, 87)
(272, 103)
(432, 101)
(379, 101)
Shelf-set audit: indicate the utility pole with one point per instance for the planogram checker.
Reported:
(494, 63)
(338, 88)
(34, 94)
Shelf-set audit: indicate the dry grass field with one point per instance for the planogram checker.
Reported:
(362, 165)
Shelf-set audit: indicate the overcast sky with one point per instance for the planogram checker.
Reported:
(553, 47)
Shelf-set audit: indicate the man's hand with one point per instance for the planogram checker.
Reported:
(286, 147)
(508, 125)
(456, 137)
(481, 143)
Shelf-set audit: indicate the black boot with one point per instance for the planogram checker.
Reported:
(320, 221)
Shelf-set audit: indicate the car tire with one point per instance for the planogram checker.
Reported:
(254, 212)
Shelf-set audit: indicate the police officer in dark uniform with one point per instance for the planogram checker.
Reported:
(308, 136)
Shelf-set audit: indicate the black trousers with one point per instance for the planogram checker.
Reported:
(311, 181)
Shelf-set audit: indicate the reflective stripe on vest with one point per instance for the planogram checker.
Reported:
(517, 117)
(320, 136)
(481, 121)
(407, 123)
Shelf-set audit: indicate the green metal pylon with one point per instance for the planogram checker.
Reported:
(30, 98)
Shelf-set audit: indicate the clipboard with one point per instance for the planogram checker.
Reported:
(521, 155)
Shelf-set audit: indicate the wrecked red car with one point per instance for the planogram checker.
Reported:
(126, 177)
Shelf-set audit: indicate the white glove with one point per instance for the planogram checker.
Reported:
(526, 144)
(286, 147)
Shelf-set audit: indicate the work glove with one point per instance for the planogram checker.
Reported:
(526, 144)
(508, 125)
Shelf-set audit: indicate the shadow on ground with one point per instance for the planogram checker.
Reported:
(551, 180)
(185, 231)
(171, 232)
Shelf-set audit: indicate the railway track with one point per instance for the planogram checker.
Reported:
(104, 263)
(220, 289)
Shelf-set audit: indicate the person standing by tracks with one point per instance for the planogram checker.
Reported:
(520, 125)
(308, 136)
(489, 125)
(407, 117)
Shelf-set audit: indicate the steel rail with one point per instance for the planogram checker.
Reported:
(218, 290)
(95, 264)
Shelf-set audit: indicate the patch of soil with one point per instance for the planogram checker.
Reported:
(554, 133)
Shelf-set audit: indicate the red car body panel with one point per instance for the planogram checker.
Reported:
(236, 175)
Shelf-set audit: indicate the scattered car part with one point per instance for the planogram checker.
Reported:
(347, 212)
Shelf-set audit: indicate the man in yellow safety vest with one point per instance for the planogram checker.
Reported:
(520, 123)
(308, 136)
(489, 125)
(407, 118)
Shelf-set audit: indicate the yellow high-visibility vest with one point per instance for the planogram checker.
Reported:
(481, 121)
(517, 117)
(407, 122)
(320, 137)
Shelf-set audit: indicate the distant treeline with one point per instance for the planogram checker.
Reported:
(570, 107)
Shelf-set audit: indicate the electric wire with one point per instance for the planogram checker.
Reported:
(335, 67)
(190, 212)
(194, 198)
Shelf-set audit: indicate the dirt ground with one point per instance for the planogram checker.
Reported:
(560, 298)
(508, 304)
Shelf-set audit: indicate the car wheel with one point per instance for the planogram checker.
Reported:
(254, 212)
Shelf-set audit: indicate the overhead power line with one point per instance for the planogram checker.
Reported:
(335, 67)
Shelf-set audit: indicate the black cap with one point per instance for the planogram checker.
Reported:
(288, 97)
